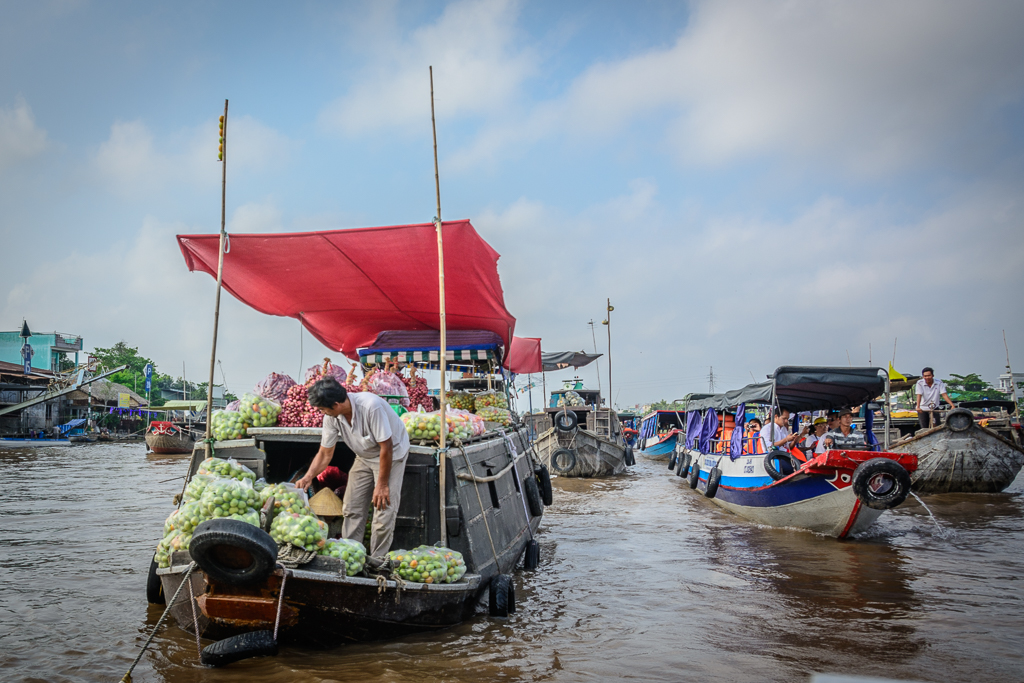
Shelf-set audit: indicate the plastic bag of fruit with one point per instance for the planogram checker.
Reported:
(250, 517)
(287, 498)
(226, 497)
(474, 422)
(427, 426)
(305, 531)
(456, 565)
(389, 384)
(491, 399)
(196, 486)
(499, 415)
(184, 519)
(274, 387)
(228, 424)
(257, 411)
(421, 565)
(163, 551)
(461, 400)
(227, 469)
(352, 553)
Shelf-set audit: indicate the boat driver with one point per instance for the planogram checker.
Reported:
(371, 428)
(929, 391)
(845, 437)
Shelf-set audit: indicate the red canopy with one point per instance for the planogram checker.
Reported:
(524, 356)
(347, 286)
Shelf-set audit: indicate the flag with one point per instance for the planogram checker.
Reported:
(894, 374)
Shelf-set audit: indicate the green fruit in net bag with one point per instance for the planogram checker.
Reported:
(250, 517)
(421, 565)
(258, 411)
(184, 519)
(226, 497)
(304, 531)
(456, 565)
(352, 553)
(228, 424)
(196, 486)
(287, 498)
(229, 468)
(163, 552)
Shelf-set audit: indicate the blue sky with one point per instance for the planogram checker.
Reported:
(753, 184)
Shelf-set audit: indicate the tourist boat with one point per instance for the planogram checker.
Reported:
(660, 431)
(167, 438)
(583, 440)
(837, 493)
(962, 456)
(494, 499)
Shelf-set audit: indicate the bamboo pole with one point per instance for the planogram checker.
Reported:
(220, 275)
(1013, 385)
(441, 455)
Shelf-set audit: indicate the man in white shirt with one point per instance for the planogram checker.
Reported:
(371, 428)
(929, 390)
(781, 437)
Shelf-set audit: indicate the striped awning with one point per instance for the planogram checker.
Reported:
(453, 355)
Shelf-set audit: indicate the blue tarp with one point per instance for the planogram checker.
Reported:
(869, 423)
(65, 428)
(692, 429)
(707, 430)
(736, 444)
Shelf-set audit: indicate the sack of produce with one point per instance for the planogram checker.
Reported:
(233, 406)
(304, 531)
(163, 551)
(260, 484)
(226, 497)
(275, 387)
(491, 399)
(461, 400)
(417, 388)
(287, 498)
(296, 411)
(228, 424)
(475, 422)
(196, 486)
(456, 565)
(422, 565)
(250, 517)
(352, 553)
(257, 411)
(427, 426)
(229, 469)
(571, 399)
(499, 415)
(184, 519)
(327, 369)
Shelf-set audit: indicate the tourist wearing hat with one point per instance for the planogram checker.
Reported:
(820, 425)
(844, 437)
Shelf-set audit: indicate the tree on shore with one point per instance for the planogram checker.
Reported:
(971, 387)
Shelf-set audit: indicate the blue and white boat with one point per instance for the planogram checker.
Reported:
(836, 493)
(660, 431)
(10, 443)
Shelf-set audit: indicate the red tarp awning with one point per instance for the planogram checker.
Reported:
(347, 286)
(523, 357)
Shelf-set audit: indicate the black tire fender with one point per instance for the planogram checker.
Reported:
(544, 483)
(673, 460)
(566, 421)
(532, 492)
(237, 648)
(774, 472)
(154, 587)
(531, 559)
(959, 420)
(714, 478)
(501, 596)
(563, 460)
(684, 465)
(628, 455)
(233, 551)
(880, 483)
(694, 477)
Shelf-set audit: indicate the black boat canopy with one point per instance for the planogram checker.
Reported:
(559, 360)
(805, 388)
(1009, 406)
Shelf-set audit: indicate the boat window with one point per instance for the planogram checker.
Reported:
(493, 489)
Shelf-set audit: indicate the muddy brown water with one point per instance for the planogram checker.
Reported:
(640, 579)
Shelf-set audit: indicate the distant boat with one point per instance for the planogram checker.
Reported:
(167, 438)
(659, 434)
(6, 443)
(581, 440)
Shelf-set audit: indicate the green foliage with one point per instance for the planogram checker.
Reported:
(971, 387)
(122, 354)
(665, 405)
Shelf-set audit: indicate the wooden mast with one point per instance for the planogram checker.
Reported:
(441, 454)
(222, 156)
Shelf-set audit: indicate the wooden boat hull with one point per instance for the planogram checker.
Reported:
(661, 449)
(820, 499)
(595, 455)
(167, 444)
(975, 460)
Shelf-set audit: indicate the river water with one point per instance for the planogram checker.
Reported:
(640, 578)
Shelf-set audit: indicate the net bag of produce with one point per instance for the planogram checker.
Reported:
(287, 498)
(184, 519)
(422, 565)
(250, 517)
(163, 551)
(491, 399)
(389, 384)
(296, 411)
(227, 425)
(461, 400)
(352, 553)
(196, 486)
(304, 531)
(228, 469)
(226, 497)
(257, 411)
(456, 565)
(275, 387)
(570, 398)
(233, 406)
(466, 419)
(499, 415)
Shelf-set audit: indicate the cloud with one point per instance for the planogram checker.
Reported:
(20, 138)
(479, 67)
(132, 160)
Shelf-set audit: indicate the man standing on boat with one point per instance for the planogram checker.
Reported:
(371, 428)
(928, 391)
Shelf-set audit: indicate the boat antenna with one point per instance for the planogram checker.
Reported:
(597, 363)
(442, 467)
(222, 157)
(1013, 385)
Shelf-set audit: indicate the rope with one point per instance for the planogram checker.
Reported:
(127, 678)
(195, 620)
(483, 513)
(292, 556)
(280, 601)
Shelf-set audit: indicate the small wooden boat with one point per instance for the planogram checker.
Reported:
(12, 443)
(961, 456)
(582, 441)
(491, 514)
(82, 438)
(167, 438)
(660, 431)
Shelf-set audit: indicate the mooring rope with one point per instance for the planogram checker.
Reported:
(280, 602)
(195, 620)
(127, 678)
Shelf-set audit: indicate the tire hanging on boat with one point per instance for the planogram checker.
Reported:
(673, 460)
(959, 420)
(694, 477)
(628, 456)
(233, 551)
(684, 465)
(501, 596)
(533, 498)
(239, 647)
(566, 421)
(563, 460)
(154, 587)
(531, 558)
(714, 478)
(544, 483)
(880, 483)
(776, 472)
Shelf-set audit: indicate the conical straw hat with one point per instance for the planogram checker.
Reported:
(326, 504)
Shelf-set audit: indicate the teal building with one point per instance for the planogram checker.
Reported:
(47, 348)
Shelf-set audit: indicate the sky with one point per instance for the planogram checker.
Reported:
(752, 184)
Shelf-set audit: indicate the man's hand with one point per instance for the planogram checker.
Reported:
(305, 482)
(381, 496)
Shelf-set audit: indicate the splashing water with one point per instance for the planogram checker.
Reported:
(943, 533)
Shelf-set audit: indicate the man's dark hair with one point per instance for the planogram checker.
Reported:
(326, 392)
(928, 370)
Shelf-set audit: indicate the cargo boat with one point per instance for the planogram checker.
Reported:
(167, 438)
(582, 441)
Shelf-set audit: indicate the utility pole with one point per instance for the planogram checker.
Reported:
(608, 322)
(711, 379)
